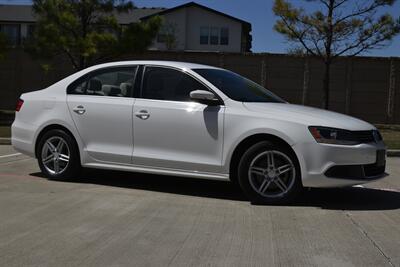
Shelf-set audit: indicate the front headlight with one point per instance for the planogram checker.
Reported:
(335, 136)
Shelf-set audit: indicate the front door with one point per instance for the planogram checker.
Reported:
(170, 131)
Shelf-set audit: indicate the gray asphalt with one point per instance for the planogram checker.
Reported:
(105, 218)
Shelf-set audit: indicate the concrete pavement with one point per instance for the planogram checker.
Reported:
(106, 218)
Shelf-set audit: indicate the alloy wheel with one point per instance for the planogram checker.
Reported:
(55, 155)
(272, 174)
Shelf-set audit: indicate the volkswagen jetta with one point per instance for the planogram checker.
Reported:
(191, 120)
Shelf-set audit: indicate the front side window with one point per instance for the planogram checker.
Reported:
(117, 82)
(204, 35)
(237, 87)
(168, 84)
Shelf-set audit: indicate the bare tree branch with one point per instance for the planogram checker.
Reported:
(339, 27)
(299, 36)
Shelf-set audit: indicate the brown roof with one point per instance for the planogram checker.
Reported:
(16, 13)
(193, 4)
(136, 14)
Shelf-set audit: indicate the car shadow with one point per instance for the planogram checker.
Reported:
(350, 198)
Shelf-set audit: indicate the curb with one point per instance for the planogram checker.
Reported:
(389, 153)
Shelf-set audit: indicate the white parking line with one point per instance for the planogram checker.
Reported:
(10, 155)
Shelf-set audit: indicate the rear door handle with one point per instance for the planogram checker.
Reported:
(143, 114)
(80, 110)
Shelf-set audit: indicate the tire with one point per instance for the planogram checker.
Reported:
(269, 174)
(58, 155)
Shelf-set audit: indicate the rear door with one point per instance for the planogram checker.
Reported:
(101, 107)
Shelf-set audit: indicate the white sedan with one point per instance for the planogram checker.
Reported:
(191, 120)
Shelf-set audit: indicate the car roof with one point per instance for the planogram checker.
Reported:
(175, 64)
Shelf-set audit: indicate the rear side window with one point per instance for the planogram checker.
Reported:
(168, 84)
(117, 82)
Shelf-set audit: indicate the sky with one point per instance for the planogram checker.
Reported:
(259, 14)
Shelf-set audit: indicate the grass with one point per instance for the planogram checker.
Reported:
(390, 133)
(391, 138)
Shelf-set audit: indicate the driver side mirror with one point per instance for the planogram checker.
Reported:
(204, 97)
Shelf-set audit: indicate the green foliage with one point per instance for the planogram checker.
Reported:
(169, 32)
(87, 31)
(138, 36)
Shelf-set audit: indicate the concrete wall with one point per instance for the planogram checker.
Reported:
(364, 87)
(189, 20)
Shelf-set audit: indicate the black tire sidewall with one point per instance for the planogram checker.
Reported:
(74, 164)
(244, 182)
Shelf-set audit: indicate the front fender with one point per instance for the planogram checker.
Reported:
(240, 125)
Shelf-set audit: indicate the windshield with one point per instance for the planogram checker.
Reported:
(237, 87)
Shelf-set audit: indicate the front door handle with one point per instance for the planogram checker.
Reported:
(80, 110)
(143, 114)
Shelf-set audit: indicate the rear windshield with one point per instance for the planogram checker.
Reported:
(237, 87)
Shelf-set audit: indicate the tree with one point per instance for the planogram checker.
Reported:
(169, 30)
(338, 27)
(87, 31)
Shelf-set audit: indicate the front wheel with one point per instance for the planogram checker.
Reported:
(58, 155)
(269, 174)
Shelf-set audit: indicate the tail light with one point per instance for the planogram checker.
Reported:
(19, 105)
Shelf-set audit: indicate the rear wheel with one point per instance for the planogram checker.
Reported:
(58, 155)
(269, 174)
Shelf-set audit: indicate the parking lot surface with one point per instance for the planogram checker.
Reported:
(106, 218)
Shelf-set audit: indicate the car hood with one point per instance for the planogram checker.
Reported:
(308, 115)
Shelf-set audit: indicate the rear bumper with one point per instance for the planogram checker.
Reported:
(324, 165)
(22, 137)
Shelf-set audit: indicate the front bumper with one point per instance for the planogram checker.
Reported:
(325, 165)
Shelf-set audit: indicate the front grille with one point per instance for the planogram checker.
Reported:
(357, 172)
(373, 170)
(345, 171)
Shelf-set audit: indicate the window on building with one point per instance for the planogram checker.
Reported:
(224, 40)
(12, 32)
(214, 36)
(204, 35)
